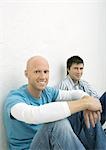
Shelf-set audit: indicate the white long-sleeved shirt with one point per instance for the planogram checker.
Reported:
(45, 113)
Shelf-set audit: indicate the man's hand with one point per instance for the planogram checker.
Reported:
(91, 117)
(92, 103)
(86, 103)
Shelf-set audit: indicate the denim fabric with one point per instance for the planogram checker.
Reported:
(103, 103)
(91, 138)
(56, 136)
(60, 136)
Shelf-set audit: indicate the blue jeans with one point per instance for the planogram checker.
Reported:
(96, 134)
(92, 138)
(60, 136)
(56, 136)
(103, 103)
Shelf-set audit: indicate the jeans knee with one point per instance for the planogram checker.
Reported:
(63, 123)
(62, 126)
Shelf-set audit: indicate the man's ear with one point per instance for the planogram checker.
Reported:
(26, 73)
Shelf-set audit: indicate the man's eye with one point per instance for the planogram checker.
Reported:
(36, 71)
(46, 71)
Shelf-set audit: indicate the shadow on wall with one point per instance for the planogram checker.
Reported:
(3, 138)
(62, 73)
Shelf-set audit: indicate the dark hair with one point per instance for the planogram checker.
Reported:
(74, 60)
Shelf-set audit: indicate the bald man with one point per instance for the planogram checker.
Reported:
(35, 115)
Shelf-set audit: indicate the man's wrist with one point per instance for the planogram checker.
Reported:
(85, 102)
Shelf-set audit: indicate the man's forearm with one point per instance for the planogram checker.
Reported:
(87, 102)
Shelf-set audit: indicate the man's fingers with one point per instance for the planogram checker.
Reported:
(99, 115)
(92, 119)
(86, 119)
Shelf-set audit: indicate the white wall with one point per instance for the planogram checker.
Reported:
(56, 29)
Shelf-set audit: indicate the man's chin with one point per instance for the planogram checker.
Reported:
(42, 88)
(78, 78)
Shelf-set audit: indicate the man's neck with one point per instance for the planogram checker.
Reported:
(33, 92)
(75, 81)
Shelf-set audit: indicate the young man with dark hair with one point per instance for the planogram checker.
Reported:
(73, 81)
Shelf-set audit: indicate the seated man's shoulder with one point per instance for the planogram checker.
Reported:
(84, 82)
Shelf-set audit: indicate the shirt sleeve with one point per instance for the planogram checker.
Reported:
(62, 85)
(71, 94)
(40, 114)
(90, 89)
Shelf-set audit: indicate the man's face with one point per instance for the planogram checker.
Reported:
(76, 71)
(38, 75)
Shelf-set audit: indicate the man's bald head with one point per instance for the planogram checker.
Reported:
(36, 60)
(37, 73)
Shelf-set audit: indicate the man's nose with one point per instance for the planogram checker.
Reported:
(79, 70)
(42, 74)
